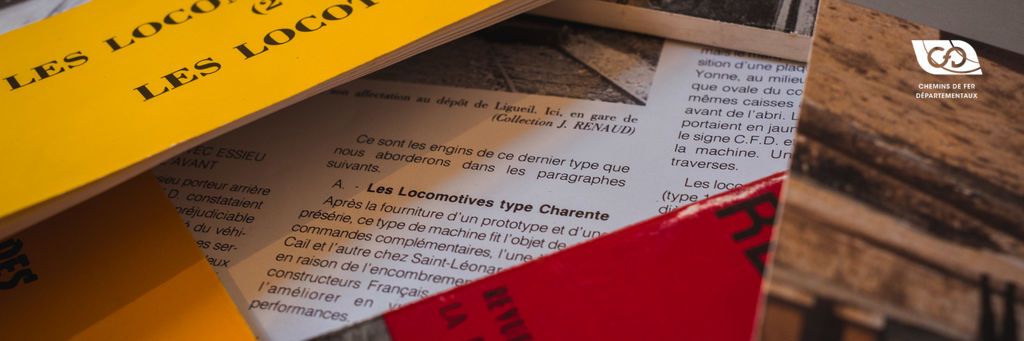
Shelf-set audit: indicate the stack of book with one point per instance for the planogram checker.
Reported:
(517, 169)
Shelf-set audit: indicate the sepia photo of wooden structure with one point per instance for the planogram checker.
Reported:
(903, 218)
(541, 56)
(793, 16)
(774, 28)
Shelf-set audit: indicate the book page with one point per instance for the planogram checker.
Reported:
(518, 141)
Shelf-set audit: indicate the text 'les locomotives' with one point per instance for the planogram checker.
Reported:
(117, 42)
(277, 37)
(203, 66)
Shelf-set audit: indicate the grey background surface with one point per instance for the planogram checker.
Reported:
(996, 22)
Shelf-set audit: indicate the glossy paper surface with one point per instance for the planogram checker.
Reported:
(692, 274)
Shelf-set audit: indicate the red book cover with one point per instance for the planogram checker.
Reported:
(693, 273)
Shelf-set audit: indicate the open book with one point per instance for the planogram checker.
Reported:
(517, 141)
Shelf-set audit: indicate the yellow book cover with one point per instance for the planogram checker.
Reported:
(118, 266)
(107, 90)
